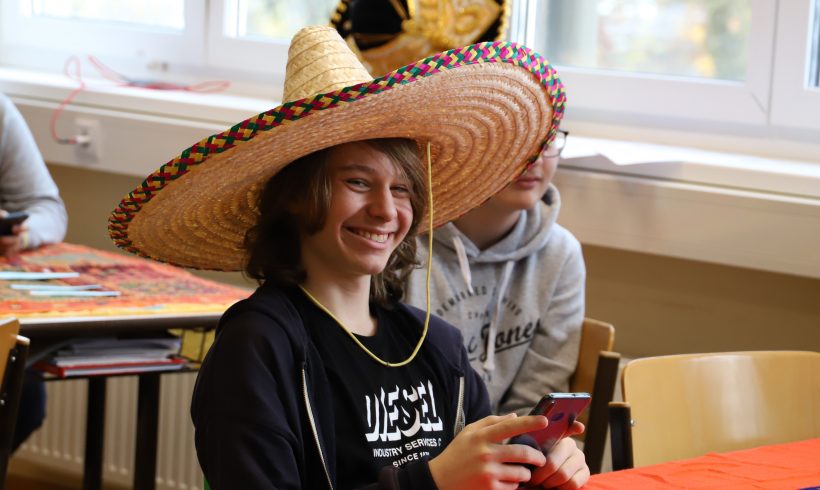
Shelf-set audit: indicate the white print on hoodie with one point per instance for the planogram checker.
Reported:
(526, 293)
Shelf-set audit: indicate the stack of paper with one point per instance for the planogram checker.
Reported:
(114, 356)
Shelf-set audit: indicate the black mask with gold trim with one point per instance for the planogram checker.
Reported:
(388, 34)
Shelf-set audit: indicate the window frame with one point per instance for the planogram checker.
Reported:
(645, 96)
(266, 57)
(794, 103)
(141, 50)
(774, 94)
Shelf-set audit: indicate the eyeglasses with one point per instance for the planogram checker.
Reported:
(557, 146)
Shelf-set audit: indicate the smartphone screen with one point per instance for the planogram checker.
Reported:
(561, 409)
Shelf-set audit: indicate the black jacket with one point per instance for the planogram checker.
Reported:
(262, 409)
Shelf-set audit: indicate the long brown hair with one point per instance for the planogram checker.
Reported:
(273, 244)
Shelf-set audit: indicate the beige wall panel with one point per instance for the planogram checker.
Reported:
(662, 305)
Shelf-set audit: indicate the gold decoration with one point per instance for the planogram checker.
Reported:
(432, 26)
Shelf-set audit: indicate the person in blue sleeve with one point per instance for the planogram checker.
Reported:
(323, 378)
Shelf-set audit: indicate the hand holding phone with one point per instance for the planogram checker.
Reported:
(11, 219)
(561, 409)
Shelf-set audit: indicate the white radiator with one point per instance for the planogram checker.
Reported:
(60, 442)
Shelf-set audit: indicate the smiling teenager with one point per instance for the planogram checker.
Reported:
(322, 378)
(506, 273)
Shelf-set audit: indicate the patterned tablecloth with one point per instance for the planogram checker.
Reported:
(146, 287)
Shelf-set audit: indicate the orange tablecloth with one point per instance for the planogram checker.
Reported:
(793, 465)
(147, 287)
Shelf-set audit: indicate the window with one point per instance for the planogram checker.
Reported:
(649, 59)
(168, 14)
(266, 20)
(730, 65)
(670, 38)
(795, 87)
(140, 38)
(814, 69)
(253, 35)
(241, 40)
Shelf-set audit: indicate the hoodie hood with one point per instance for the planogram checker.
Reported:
(530, 234)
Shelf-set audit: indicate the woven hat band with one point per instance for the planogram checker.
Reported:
(320, 62)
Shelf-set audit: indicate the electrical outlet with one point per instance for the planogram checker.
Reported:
(89, 149)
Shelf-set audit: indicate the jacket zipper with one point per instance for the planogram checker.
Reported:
(459, 426)
(313, 428)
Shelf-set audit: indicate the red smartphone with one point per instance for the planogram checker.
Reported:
(8, 221)
(561, 409)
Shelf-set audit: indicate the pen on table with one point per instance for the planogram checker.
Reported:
(55, 287)
(33, 276)
(49, 292)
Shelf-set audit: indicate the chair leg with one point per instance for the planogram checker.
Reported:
(145, 457)
(94, 433)
(606, 375)
(620, 427)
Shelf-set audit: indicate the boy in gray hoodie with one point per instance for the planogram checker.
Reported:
(512, 279)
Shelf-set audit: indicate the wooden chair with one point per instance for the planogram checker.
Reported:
(596, 373)
(683, 406)
(13, 352)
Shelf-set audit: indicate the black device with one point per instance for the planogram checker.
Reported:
(8, 221)
(561, 409)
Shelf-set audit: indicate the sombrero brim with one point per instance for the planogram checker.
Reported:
(487, 110)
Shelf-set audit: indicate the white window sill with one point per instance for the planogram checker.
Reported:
(680, 164)
(222, 108)
(724, 208)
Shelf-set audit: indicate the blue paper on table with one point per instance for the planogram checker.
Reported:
(73, 293)
(54, 287)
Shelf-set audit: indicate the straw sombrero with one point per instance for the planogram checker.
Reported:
(387, 34)
(487, 110)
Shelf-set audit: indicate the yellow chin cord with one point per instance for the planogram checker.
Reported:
(429, 268)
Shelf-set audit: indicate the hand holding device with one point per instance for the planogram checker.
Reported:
(8, 221)
(478, 458)
(566, 467)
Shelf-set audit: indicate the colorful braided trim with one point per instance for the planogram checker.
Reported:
(488, 52)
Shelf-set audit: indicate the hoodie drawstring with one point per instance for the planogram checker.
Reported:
(466, 274)
(463, 264)
(489, 361)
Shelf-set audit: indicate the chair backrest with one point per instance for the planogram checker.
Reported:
(596, 373)
(596, 337)
(684, 406)
(9, 328)
(13, 353)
